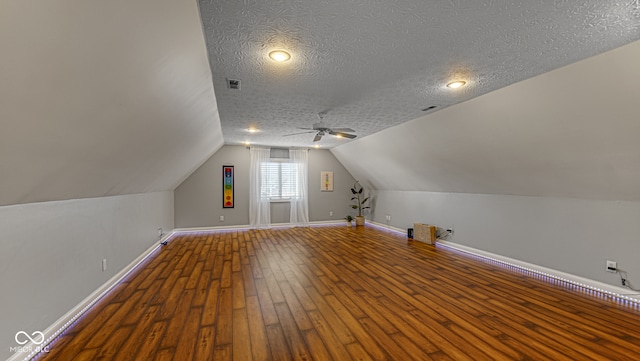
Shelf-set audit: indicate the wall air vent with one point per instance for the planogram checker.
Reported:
(233, 84)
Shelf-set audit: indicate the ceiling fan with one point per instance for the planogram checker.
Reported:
(321, 129)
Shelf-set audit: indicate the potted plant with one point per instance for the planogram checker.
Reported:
(360, 200)
(349, 219)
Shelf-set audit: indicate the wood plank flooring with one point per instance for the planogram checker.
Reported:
(341, 293)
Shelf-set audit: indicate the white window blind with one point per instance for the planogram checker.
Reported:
(279, 180)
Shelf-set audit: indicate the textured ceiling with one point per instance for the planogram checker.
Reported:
(572, 132)
(374, 64)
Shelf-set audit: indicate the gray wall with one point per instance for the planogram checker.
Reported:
(568, 133)
(338, 201)
(198, 200)
(558, 152)
(102, 99)
(570, 235)
(52, 253)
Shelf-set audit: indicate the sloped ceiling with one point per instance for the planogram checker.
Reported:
(371, 65)
(102, 98)
(572, 132)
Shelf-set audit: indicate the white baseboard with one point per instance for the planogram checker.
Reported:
(617, 291)
(65, 321)
(212, 228)
(246, 226)
(385, 226)
(612, 290)
(76, 312)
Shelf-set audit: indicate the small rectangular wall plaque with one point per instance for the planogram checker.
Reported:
(326, 181)
(227, 186)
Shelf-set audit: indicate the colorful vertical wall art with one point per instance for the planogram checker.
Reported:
(326, 181)
(227, 186)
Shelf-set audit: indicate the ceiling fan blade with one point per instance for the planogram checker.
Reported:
(317, 137)
(343, 135)
(343, 130)
(286, 135)
(308, 128)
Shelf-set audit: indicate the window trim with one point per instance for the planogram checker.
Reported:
(279, 161)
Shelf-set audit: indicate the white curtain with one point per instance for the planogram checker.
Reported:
(299, 215)
(259, 207)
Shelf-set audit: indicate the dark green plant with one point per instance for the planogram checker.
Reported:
(358, 197)
(348, 218)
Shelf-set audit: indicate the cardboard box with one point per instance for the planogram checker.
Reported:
(424, 233)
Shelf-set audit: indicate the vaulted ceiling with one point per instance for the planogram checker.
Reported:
(371, 65)
(102, 98)
(572, 132)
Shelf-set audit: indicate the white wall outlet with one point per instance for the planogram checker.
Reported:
(449, 233)
(388, 218)
(104, 264)
(221, 218)
(330, 213)
(612, 266)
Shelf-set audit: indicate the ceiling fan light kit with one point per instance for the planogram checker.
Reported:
(321, 130)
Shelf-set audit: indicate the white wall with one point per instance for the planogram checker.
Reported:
(52, 253)
(571, 235)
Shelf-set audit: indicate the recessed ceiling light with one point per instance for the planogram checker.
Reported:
(456, 84)
(252, 130)
(316, 146)
(279, 55)
(246, 142)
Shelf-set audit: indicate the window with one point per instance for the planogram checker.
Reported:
(279, 180)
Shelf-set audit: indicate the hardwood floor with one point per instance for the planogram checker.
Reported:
(340, 293)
